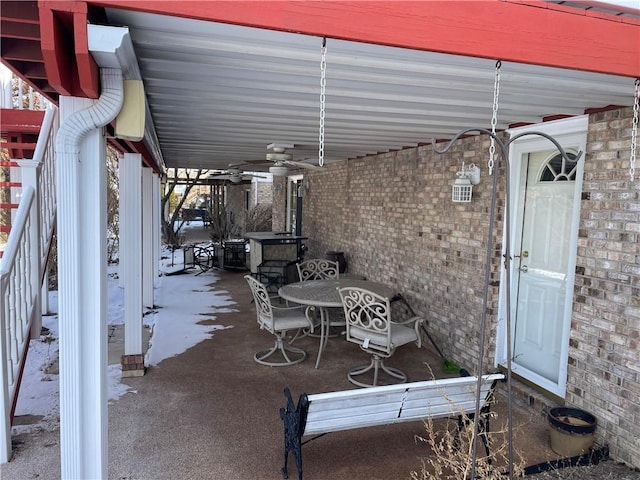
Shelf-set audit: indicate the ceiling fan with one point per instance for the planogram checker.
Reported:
(235, 175)
(282, 160)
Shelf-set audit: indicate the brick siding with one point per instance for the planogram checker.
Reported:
(279, 205)
(237, 200)
(393, 217)
(604, 358)
(236, 206)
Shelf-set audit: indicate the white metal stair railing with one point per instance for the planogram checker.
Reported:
(44, 155)
(18, 296)
(22, 269)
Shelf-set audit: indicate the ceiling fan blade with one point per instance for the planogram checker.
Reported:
(250, 175)
(220, 177)
(256, 162)
(308, 166)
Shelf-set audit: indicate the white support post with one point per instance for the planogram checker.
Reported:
(147, 238)
(15, 193)
(30, 171)
(131, 250)
(82, 246)
(5, 87)
(155, 202)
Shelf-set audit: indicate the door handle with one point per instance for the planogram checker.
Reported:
(524, 269)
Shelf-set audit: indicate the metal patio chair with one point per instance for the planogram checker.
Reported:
(277, 320)
(317, 269)
(370, 326)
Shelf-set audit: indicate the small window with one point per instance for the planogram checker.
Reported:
(559, 170)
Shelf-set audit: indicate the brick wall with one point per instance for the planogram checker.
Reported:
(236, 206)
(393, 217)
(237, 201)
(265, 193)
(604, 358)
(279, 205)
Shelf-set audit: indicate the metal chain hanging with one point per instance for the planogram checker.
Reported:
(634, 131)
(494, 116)
(323, 87)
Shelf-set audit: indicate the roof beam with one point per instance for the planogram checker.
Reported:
(21, 50)
(70, 67)
(19, 30)
(531, 32)
(20, 11)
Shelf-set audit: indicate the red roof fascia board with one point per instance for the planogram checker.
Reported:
(576, 10)
(523, 32)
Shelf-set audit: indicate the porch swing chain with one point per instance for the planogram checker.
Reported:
(634, 131)
(323, 87)
(494, 116)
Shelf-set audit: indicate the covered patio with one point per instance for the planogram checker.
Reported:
(212, 412)
(220, 83)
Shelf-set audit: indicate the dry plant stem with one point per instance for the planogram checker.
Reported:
(451, 453)
(259, 218)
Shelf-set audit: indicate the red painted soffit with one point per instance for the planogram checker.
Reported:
(70, 68)
(528, 32)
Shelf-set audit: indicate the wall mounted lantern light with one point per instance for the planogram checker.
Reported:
(463, 186)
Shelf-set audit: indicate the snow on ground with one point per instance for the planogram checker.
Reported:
(174, 326)
(171, 334)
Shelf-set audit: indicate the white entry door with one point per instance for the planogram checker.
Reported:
(545, 210)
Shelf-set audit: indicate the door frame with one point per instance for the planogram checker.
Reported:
(570, 133)
(291, 206)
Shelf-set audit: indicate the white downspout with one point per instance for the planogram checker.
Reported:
(80, 146)
(97, 116)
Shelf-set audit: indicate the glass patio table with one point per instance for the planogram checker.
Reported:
(323, 294)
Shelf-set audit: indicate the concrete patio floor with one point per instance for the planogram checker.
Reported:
(213, 413)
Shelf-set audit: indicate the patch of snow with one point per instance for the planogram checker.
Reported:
(183, 301)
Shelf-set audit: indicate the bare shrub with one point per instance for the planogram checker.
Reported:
(451, 452)
(52, 263)
(113, 220)
(221, 227)
(171, 221)
(259, 218)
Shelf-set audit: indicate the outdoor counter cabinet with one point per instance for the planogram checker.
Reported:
(272, 246)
